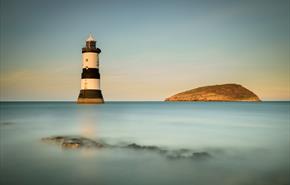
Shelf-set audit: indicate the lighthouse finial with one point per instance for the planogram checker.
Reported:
(91, 38)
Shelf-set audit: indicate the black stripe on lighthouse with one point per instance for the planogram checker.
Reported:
(88, 93)
(90, 73)
(93, 50)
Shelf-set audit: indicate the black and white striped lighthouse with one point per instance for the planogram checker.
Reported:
(90, 82)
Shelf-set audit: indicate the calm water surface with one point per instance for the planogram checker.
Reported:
(248, 143)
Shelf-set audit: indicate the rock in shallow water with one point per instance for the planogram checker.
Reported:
(142, 147)
(200, 155)
(6, 123)
(72, 142)
(75, 142)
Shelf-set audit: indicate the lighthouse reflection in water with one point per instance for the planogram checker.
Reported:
(248, 143)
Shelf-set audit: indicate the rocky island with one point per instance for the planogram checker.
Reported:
(224, 92)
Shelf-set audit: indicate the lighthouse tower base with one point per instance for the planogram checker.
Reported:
(90, 97)
(90, 101)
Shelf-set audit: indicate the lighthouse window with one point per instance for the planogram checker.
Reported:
(86, 59)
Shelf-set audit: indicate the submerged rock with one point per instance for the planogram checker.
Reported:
(75, 142)
(6, 123)
(72, 142)
(225, 92)
(200, 155)
(186, 154)
(143, 147)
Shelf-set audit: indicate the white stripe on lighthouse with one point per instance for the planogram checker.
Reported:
(90, 60)
(90, 83)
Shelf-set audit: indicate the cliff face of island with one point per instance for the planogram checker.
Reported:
(225, 92)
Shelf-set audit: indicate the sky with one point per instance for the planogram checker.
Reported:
(150, 49)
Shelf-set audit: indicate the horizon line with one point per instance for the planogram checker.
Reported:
(68, 101)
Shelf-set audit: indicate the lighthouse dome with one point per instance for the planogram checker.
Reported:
(91, 38)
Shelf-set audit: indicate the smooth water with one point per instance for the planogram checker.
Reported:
(248, 143)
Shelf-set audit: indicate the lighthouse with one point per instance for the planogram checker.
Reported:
(90, 92)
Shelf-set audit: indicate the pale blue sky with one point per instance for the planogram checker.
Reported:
(150, 49)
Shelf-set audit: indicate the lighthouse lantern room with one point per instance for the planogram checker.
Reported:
(90, 79)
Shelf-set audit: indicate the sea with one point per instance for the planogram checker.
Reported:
(194, 143)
